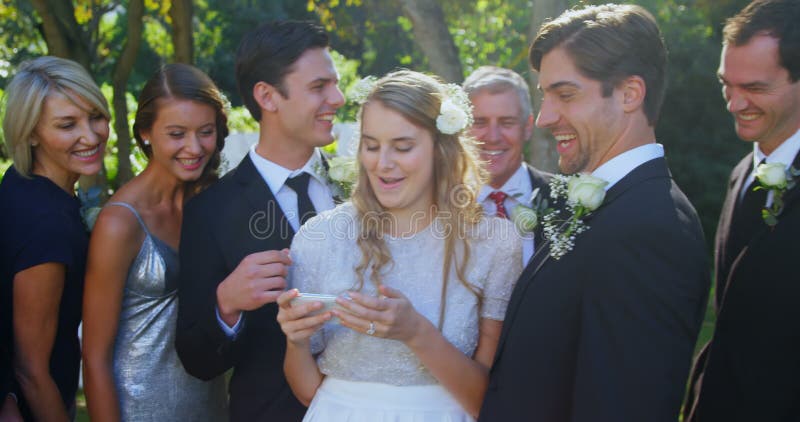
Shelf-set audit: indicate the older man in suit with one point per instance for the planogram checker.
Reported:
(233, 257)
(503, 123)
(606, 331)
(750, 369)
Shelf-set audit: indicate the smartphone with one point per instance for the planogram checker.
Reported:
(328, 302)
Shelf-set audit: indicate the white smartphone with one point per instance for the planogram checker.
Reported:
(328, 302)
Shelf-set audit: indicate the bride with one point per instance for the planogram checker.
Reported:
(423, 277)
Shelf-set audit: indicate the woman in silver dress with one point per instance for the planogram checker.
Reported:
(132, 371)
(425, 274)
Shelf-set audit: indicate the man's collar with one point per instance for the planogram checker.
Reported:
(518, 183)
(613, 170)
(785, 153)
(275, 175)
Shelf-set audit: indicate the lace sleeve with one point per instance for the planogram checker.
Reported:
(504, 252)
(307, 247)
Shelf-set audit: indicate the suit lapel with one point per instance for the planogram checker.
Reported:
(651, 169)
(267, 217)
(791, 196)
(722, 261)
(540, 180)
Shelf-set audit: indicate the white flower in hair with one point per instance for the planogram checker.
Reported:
(452, 118)
(359, 92)
(455, 113)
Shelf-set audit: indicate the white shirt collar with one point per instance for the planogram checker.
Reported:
(518, 184)
(785, 153)
(618, 167)
(275, 175)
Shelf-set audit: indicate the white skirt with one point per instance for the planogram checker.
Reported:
(352, 401)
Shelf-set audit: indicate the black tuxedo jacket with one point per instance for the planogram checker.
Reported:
(540, 180)
(606, 333)
(233, 218)
(751, 368)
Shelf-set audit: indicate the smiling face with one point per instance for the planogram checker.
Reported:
(183, 137)
(502, 131)
(586, 125)
(764, 102)
(305, 116)
(69, 140)
(398, 159)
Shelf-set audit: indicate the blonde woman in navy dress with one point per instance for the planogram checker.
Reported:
(132, 372)
(55, 128)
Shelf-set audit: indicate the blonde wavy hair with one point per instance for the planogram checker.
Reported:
(458, 175)
(27, 93)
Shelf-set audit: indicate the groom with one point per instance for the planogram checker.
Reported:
(233, 258)
(606, 332)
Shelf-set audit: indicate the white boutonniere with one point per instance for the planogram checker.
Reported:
(775, 177)
(526, 214)
(584, 194)
(90, 205)
(341, 174)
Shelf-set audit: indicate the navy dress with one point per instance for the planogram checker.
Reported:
(40, 223)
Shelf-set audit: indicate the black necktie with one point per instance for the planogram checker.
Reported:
(299, 185)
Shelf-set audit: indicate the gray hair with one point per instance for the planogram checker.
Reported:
(497, 80)
(26, 94)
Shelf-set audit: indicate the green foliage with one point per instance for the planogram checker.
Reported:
(19, 37)
(4, 165)
(240, 120)
(348, 76)
(490, 32)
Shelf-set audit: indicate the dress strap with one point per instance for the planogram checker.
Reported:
(135, 214)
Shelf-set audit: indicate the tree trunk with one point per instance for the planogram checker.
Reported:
(433, 37)
(181, 14)
(119, 81)
(61, 31)
(543, 148)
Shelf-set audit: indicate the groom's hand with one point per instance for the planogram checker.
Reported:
(257, 280)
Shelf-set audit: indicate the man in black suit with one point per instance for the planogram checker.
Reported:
(503, 123)
(605, 332)
(750, 371)
(233, 242)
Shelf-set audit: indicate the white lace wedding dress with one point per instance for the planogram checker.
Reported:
(374, 379)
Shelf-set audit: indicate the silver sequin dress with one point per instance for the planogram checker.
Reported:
(150, 380)
(324, 254)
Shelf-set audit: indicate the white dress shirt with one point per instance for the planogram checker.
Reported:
(785, 153)
(613, 170)
(518, 189)
(275, 176)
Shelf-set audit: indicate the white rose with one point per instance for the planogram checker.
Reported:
(772, 175)
(343, 169)
(452, 118)
(525, 219)
(586, 190)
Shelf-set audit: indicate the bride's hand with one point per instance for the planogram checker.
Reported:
(294, 320)
(390, 316)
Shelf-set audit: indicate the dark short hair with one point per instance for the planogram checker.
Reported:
(777, 18)
(185, 82)
(268, 53)
(609, 43)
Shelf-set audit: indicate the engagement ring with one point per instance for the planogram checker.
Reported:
(371, 329)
